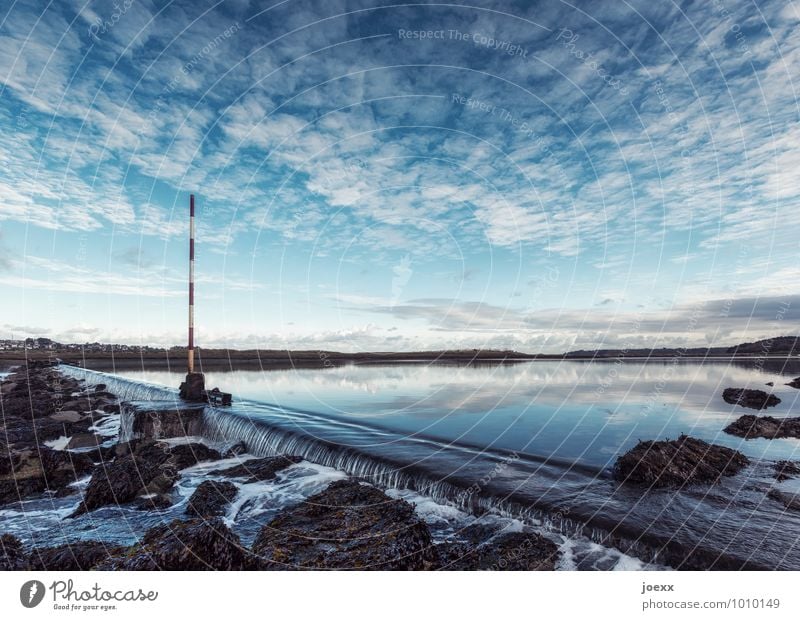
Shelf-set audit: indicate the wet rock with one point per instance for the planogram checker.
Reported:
(211, 499)
(795, 383)
(78, 555)
(197, 544)
(785, 470)
(789, 500)
(752, 399)
(347, 526)
(236, 449)
(63, 468)
(120, 481)
(84, 440)
(256, 470)
(187, 455)
(479, 532)
(770, 384)
(455, 556)
(157, 501)
(144, 467)
(12, 555)
(750, 427)
(31, 472)
(512, 551)
(67, 416)
(676, 463)
(165, 423)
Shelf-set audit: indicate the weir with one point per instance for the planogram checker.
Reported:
(475, 480)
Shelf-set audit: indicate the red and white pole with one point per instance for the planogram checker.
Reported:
(191, 283)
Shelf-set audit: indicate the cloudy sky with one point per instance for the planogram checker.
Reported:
(370, 176)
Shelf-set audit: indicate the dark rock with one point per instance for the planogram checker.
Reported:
(513, 551)
(154, 502)
(675, 463)
(795, 383)
(750, 427)
(347, 526)
(164, 423)
(85, 440)
(77, 555)
(197, 544)
(121, 481)
(790, 501)
(12, 555)
(144, 467)
(256, 470)
(31, 472)
(211, 498)
(477, 533)
(236, 449)
(785, 470)
(770, 384)
(187, 455)
(62, 468)
(752, 399)
(456, 556)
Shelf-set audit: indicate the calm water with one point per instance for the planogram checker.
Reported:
(535, 441)
(584, 412)
(523, 445)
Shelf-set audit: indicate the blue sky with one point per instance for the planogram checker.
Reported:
(537, 176)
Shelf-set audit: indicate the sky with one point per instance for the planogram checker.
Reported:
(538, 176)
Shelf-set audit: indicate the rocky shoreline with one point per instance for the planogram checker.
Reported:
(57, 432)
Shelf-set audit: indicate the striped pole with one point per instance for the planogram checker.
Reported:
(191, 283)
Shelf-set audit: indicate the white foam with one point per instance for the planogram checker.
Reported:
(58, 444)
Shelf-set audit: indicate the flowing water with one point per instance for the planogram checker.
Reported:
(516, 445)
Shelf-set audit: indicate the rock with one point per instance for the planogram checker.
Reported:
(197, 544)
(513, 551)
(143, 467)
(477, 533)
(211, 498)
(164, 423)
(100, 387)
(236, 449)
(790, 501)
(785, 470)
(63, 468)
(120, 481)
(161, 483)
(795, 383)
(67, 416)
(750, 427)
(675, 463)
(770, 384)
(85, 440)
(752, 399)
(33, 472)
(154, 502)
(257, 470)
(347, 526)
(12, 555)
(77, 555)
(187, 455)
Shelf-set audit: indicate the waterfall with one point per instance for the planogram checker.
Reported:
(122, 388)
(414, 463)
(268, 439)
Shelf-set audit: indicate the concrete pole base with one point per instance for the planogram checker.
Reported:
(194, 388)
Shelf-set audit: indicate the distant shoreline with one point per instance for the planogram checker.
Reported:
(221, 360)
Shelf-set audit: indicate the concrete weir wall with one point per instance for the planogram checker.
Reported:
(159, 420)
